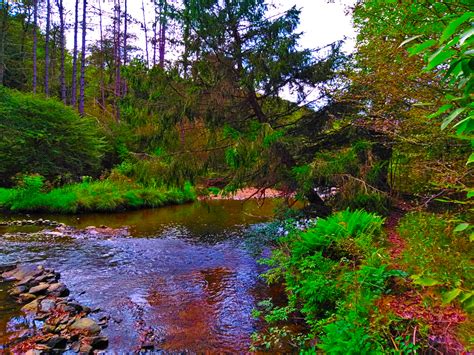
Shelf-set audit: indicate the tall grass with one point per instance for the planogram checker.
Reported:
(100, 196)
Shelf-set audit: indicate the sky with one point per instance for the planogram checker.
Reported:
(322, 21)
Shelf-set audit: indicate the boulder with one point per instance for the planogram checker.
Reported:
(58, 289)
(41, 288)
(18, 290)
(30, 307)
(26, 297)
(87, 325)
(21, 272)
(47, 305)
(25, 281)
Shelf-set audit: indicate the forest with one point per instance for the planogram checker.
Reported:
(185, 176)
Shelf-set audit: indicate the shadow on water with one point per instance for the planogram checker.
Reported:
(183, 281)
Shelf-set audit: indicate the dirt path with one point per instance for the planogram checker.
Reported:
(410, 302)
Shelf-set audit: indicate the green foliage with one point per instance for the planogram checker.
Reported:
(333, 273)
(437, 256)
(98, 196)
(45, 137)
(372, 202)
(454, 50)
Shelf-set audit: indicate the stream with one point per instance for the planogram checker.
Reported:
(184, 281)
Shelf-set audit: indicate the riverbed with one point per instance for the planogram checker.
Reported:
(183, 280)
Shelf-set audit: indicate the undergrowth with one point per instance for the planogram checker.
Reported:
(334, 271)
(107, 195)
(439, 256)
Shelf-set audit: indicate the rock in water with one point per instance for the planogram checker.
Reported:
(47, 305)
(41, 288)
(57, 342)
(58, 289)
(30, 307)
(87, 325)
(26, 297)
(21, 272)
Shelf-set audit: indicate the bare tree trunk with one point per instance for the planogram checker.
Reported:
(162, 45)
(154, 41)
(3, 38)
(82, 83)
(25, 26)
(62, 78)
(117, 57)
(74, 57)
(35, 45)
(145, 29)
(102, 64)
(125, 23)
(46, 50)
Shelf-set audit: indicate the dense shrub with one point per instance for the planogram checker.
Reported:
(43, 136)
(334, 272)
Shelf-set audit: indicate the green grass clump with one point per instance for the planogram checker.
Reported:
(96, 196)
(333, 272)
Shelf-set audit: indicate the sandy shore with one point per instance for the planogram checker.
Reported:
(247, 193)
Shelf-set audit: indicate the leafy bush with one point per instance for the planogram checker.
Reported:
(44, 136)
(438, 256)
(333, 272)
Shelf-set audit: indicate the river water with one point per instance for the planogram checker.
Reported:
(184, 280)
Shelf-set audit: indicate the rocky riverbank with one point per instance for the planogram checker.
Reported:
(58, 323)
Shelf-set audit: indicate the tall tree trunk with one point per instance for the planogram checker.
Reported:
(74, 56)
(62, 78)
(3, 38)
(46, 50)
(102, 59)
(117, 57)
(35, 44)
(125, 34)
(154, 41)
(186, 37)
(82, 83)
(25, 26)
(145, 29)
(163, 20)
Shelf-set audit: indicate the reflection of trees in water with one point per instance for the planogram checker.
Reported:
(191, 308)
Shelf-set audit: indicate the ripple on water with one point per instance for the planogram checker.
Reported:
(182, 281)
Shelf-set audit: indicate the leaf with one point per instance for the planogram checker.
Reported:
(465, 296)
(451, 117)
(466, 36)
(453, 25)
(409, 40)
(440, 56)
(461, 227)
(465, 125)
(418, 48)
(449, 296)
(469, 161)
(424, 281)
(441, 110)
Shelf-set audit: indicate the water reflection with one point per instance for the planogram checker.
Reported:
(182, 282)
